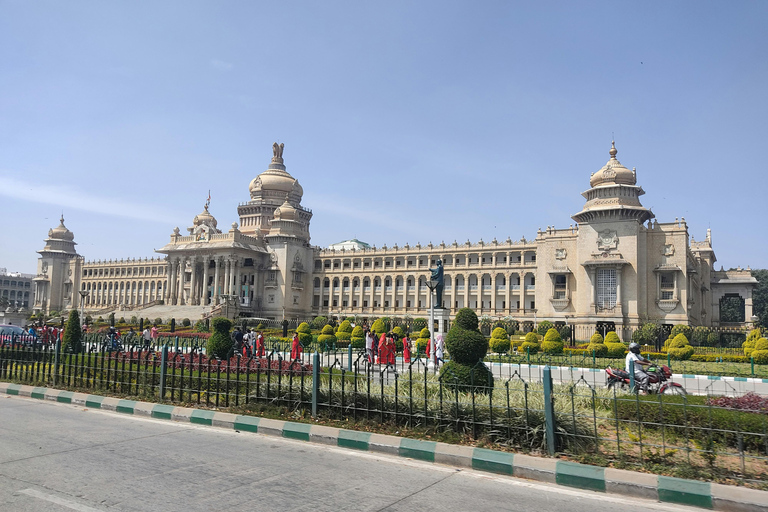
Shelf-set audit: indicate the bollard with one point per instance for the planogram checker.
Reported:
(528, 354)
(752, 362)
(56, 358)
(163, 367)
(349, 357)
(315, 381)
(549, 410)
(632, 376)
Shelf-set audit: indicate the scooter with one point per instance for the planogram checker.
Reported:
(658, 380)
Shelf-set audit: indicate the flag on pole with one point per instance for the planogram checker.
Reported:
(208, 201)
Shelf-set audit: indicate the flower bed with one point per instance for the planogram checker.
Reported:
(200, 362)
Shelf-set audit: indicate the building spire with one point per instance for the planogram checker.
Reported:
(613, 150)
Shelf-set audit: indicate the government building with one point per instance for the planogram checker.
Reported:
(615, 265)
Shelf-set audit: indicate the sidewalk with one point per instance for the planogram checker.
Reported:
(608, 480)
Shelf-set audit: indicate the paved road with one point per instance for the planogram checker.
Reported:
(56, 457)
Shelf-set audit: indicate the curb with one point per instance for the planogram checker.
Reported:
(582, 476)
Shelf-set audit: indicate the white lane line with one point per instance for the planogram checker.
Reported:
(59, 501)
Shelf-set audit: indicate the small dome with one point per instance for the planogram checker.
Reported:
(613, 172)
(61, 232)
(286, 211)
(276, 178)
(205, 218)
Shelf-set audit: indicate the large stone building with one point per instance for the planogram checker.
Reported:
(615, 266)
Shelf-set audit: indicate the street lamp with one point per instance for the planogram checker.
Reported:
(432, 284)
(83, 295)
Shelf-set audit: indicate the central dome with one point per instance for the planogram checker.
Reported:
(276, 181)
(61, 232)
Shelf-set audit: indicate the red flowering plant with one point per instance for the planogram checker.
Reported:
(751, 402)
(201, 362)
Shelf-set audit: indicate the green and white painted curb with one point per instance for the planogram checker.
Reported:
(582, 476)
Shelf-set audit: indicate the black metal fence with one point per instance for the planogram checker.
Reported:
(588, 422)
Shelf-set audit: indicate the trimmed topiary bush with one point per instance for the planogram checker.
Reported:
(761, 344)
(599, 349)
(681, 329)
(596, 338)
(499, 341)
(186, 322)
(345, 326)
(529, 348)
(552, 343)
(531, 338)
(760, 356)
(466, 378)
(305, 334)
(615, 349)
(220, 341)
(612, 337)
(327, 340)
(319, 322)
(73, 334)
(358, 337)
(544, 327)
(398, 330)
(378, 327)
(679, 348)
(467, 347)
(200, 326)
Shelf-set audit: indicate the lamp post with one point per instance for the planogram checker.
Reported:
(432, 284)
(83, 295)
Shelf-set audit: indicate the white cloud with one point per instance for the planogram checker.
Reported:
(221, 65)
(70, 197)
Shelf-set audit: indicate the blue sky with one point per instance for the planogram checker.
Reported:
(403, 121)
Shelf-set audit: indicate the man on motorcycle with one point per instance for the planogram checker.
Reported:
(641, 376)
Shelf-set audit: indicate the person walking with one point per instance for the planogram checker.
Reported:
(154, 333)
(296, 348)
(369, 346)
(382, 357)
(391, 349)
(259, 344)
(406, 349)
(439, 349)
(146, 335)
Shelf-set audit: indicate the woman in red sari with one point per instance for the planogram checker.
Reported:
(391, 349)
(295, 347)
(406, 349)
(259, 344)
(383, 348)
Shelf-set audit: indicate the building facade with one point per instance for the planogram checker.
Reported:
(16, 289)
(614, 265)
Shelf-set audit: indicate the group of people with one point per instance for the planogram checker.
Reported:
(149, 336)
(247, 344)
(45, 334)
(385, 349)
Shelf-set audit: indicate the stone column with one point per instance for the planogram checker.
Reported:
(522, 289)
(509, 289)
(193, 282)
(618, 289)
(238, 284)
(170, 286)
(217, 267)
(494, 284)
(204, 293)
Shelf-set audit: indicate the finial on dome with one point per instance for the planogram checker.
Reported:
(62, 218)
(613, 150)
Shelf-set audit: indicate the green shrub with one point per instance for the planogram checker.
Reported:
(303, 328)
(378, 327)
(158, 321)
(326, 341)
(612, 337)
(499, 332)
(596, 338)
(200, 326)
(499, 341)
(761, 344)
(358, 332)
(552, 343)
(73, 334)
(529, 348)
(531, 338)
(134, 320)
(357, 342)
(464, 342)
(544, 327)
(699, 336)
(681, 329)
(754, 335)
(186, 322)
(615, 349)
(398, 330)
(421, 345)
(305, 334)
(467, 378)
(760, 356)
(220, 342)
(713, 339)
(345, 326)
(679, 348)
(599, 349)
(419, 324)
(343, 336)
(424, 333)
(319, 322)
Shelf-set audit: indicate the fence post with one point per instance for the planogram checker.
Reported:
(56, 359)
(632, 375)
(549, 410)
(163, 366)
(176, 346)
(752, 362)
(315, 381)
(349, 357)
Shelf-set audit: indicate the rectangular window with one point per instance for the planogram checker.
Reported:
(667, 286)
(606, 288)
(560, 286)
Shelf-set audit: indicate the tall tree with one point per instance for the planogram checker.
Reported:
(760, 296)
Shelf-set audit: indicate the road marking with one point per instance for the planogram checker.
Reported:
(59, 501)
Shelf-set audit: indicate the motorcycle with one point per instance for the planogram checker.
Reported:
(658, 380)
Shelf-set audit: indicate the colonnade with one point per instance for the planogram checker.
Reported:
(209, 278)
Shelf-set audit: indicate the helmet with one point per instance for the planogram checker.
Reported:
(634, 348)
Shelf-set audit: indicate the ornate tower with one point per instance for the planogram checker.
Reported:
(58, 271)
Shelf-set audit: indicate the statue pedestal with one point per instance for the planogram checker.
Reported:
(441, 319)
